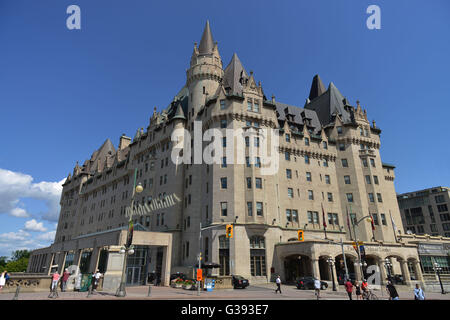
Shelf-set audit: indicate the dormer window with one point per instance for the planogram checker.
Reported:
(339, 130)
(306, 141)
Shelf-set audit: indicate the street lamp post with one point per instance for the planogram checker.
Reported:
(357, 244)
(331, 263)
(437, 269)
(126, 250)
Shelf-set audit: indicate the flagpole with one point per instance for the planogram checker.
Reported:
(393, 226)
(348, 223)
(324, 223)
(372, 223)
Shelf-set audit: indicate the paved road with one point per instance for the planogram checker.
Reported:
(255, 292)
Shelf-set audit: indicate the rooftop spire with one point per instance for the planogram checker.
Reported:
(207, 43)
(317, 88)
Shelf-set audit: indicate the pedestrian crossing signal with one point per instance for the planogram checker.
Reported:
(300, 235)
(229, 231)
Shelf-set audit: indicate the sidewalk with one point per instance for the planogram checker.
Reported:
(256, 292)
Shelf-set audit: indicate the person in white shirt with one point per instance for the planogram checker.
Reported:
(317, 288)
(96, 279)
(418, 293)
(278, 282)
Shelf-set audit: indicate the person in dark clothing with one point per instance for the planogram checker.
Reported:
(393, 295)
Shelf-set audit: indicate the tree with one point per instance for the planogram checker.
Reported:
(17, 266)
(19, 254)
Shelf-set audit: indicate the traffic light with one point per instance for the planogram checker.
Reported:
(229, 231)
(300, 235)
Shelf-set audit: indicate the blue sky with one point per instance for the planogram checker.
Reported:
(63, 92)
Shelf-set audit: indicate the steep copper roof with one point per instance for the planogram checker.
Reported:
(207, 43)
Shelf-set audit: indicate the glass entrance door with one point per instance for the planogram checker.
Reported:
(133, 276)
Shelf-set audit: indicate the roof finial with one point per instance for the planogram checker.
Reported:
(374, 124)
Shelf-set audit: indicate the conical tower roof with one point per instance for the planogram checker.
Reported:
(317, 88)
(207, 43)
(235, 75)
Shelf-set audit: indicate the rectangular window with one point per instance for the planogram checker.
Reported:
(372, 162)
(439, 198)
(256, 142)
(250, 209)
(344, 163)
(315, 217)
(249, 106)
(310, 195)
(308, 176)
(325, 163)
(224, 142)
(342, 146)
(306, 141)
(383, 219)
(364, 161)
(288, 215)
(287, 156)
(306, 159)
(310, 217)
(247, 161)
(290, 193)
(247, 141)
(375, 179)
(442, 207)
(295, 215)
(371, 198)
(330, 196)
(224, 162)
(325, 145)
(327, 179)
(258, 183)
(222, 104)
(224, 209)
(288, 138)
(350, 197)
(368, 180)
(330, 218)
(223, 183)
(223, 124)
(339, 130)
(258, 162)
(259, 208)
(347, 179)
(256, 106)
(379, 197)
(288, 173)
(249, 183)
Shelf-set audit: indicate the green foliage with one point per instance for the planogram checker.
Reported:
(3, 262)
(19, 254)
(17, 266)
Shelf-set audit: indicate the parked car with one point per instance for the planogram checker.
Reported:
(240, 282)
(307, 283)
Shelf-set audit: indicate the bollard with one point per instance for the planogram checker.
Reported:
(16, 295)
(149, 291)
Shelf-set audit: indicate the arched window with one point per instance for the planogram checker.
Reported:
(257, 256)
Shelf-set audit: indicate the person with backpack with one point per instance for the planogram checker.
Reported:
(418, 293)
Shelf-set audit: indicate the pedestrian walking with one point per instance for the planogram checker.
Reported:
(64, 279)
(278, 282)
(418, 293)
(393, 295)
(55, 280)
(358, 291)
(317, 288)
(96, 280)
(3, 279)
(349, 288)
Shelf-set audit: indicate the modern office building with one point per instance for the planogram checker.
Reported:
(426, 211)
(330, 182)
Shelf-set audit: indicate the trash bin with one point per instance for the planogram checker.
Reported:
(86, 280)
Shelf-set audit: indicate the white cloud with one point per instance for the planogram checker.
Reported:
(16, 185)
(22, 240)
(33, 225)
(48, 236)
(19, 212)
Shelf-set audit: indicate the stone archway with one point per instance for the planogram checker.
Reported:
(340, 266)
(296, 266)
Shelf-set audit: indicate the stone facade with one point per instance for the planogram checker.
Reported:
(329, 165)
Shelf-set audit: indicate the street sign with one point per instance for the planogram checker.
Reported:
(199, 275)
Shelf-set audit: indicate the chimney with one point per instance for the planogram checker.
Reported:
(124, 141)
